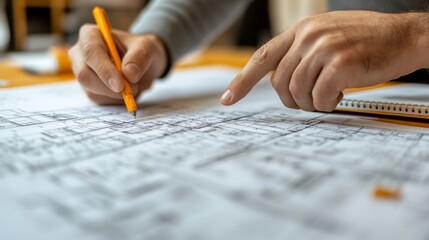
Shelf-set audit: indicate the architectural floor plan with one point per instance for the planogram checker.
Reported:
(188, 168)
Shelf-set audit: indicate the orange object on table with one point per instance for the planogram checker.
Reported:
(384, 192)
(61, 53)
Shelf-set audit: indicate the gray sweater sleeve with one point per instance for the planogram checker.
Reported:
(185, 25)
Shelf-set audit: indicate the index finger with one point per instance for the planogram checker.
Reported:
(264, 60)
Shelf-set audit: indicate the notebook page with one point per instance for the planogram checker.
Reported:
(409, 93)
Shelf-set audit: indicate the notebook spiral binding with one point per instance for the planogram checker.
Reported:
(413, 109)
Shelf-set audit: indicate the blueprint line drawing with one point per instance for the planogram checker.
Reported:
(192, 169)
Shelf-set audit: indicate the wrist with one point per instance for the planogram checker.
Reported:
(421, 22)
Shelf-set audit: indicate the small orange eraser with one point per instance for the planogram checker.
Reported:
(383, 192)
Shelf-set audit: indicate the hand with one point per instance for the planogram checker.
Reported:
(320, 56)
(144, 59)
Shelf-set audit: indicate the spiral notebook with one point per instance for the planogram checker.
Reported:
(404, 100)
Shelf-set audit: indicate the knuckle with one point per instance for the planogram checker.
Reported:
(83, 76)
(279, 79)
(88, 49)
(85, 28)
(322, 106)
(295, 91)
(309, 108)
(308, 28)
(91, 47)
(320, 101)
(288, 103)
(341, 60)
(275, 83)
(260, 56)
(329, 73)
(327, 43)
(72, 52)
(319, 38)
(102, 70)
(306, 20)
(302, 24)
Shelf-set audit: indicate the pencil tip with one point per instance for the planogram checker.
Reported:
(134, 113)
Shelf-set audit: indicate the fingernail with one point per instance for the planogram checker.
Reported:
(226, 97)
(113, 84)
(134, 71)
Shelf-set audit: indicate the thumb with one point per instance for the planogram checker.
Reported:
(137, 60)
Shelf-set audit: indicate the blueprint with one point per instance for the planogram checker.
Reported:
(188, 168)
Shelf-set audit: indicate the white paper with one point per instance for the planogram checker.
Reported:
(408, 93)
(189, 168)
(38, 62)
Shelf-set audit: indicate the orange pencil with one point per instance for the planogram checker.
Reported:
(105, 29)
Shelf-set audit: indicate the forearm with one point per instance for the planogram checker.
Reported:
(407, 43)
(386, 6)
(185, 25)
(422, 44)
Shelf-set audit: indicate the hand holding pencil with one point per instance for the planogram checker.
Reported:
(144, 59)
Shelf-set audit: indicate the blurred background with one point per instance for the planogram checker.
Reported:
(37, 25)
